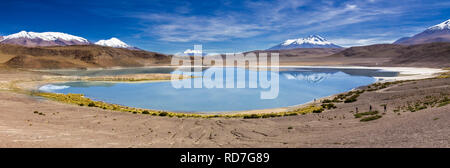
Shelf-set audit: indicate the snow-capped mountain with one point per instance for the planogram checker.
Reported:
(113, 42)
(436, 33)
(193, 52)
(313, 41)
(442, 26)
(32, 39)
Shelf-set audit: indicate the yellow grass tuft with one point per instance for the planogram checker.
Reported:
(80, 100)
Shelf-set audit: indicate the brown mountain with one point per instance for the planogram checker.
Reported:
(422, 55)
(303, 52)
(437, 33)
(84, 56)
(300, 54)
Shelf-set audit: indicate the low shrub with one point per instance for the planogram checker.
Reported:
(411, 109)
(359, 115)
(420, 108)
(252, 116)
(318, 110)
(351, 99)
(269, 115)
(163, 113)
(444, 102)
(326, 101)
(370, 118)
(290, 114)
(91, 104)
(329, 106)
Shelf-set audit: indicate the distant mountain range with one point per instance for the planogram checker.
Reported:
(70, 51)
(312, 41)
(33, 39)
(436, 33)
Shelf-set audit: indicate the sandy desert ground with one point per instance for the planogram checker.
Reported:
(27, 121)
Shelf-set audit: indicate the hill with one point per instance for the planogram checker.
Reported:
(77, 56)
(301, 54)
(421, 55)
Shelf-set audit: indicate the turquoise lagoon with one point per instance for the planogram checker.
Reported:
(296, 86)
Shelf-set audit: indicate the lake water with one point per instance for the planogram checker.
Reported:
(296, 86)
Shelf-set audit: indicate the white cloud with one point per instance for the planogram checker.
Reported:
(277, 20)
(178, 28)
(261, 18)
(189, 51)
(351, 7)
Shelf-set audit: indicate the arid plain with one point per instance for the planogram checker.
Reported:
(28, 121)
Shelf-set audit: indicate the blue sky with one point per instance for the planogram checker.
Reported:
(225, 25)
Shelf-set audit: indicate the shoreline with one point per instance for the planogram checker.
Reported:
(131, 78)
(405, 73)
